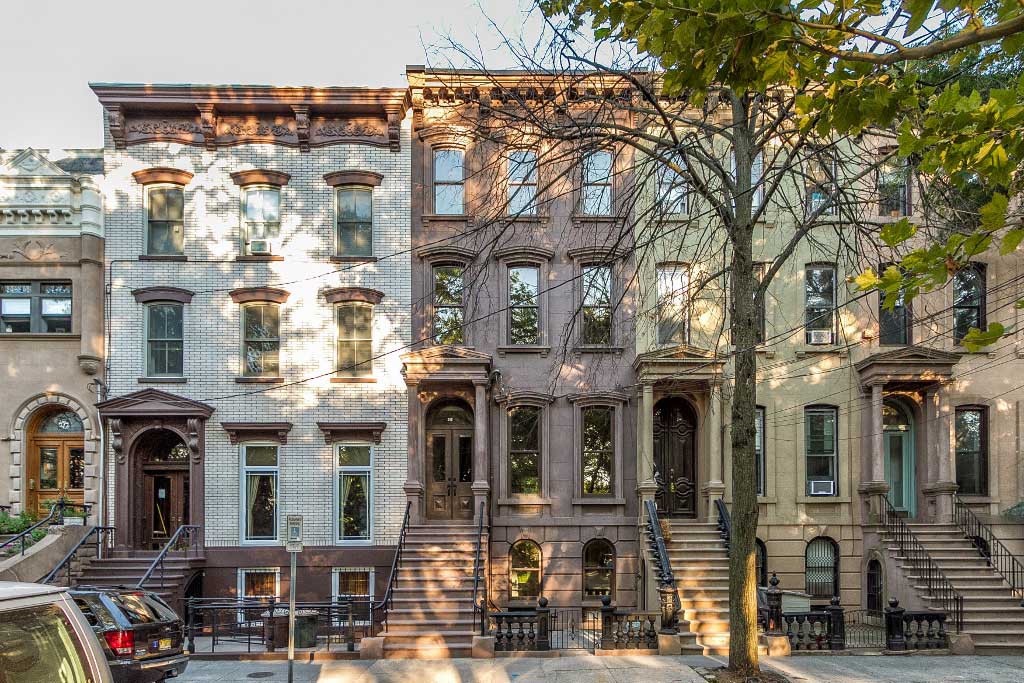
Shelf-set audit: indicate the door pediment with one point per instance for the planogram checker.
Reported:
(446, 363)
(153, 403)
(917, 364)
(680, 362)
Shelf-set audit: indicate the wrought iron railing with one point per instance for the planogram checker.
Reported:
(186, 538)
(55, 516)
(380, 610)
(724, 521)
(668, 595)
(480, 605)
(998, 555)
(100, 536)
(935, 582)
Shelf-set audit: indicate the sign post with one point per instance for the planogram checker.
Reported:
(293, 544)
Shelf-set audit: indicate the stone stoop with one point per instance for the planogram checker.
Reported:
(432, 604)
(992, 614)
(125, 571)
(700, 564)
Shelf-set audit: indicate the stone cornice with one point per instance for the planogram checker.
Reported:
(351, 431)
(262, 294)
(337, 178)
(338, 295)
(162, 174)
(260, 177)
(146, 295)
(241, 432)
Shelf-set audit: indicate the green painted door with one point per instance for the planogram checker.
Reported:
(899, 461)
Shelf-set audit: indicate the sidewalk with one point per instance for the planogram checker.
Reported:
(905, 669)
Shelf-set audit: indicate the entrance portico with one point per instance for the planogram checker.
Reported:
(897, 384)
(679, 427)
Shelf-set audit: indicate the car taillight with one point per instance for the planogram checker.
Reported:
(121, 642)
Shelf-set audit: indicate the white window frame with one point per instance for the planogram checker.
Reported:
(245, 469)
(676, 298)
(834, 412)
(366, 374)
(336, 572)
(607, 182)
(273, 241)
(515, 186)
(243, 370)
(240, 589)
(145, 214)
(339, 470)
(337, 219)
(145, 340)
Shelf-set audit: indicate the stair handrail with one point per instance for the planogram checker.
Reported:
(98, 531)
(482, 606)
(188, 531)
(385, 604)
(667, 593)
(998, 555)
(56, 513)
(724, 521)
(937, 584)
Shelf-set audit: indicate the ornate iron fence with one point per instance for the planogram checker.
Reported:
(865, 629)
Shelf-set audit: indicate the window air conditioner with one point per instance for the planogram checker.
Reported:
(823, 488)
(259, 247)
(819, 337)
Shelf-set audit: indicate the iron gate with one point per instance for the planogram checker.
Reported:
(865, 628)
(573, 628)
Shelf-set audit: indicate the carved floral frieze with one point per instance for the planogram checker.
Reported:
(31, 250)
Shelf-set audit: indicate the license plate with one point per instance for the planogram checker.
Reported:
(165, 644)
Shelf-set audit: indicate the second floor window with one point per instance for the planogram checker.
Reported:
(449, 182)
(259, 484)
(893, 189)
(598, 450)
(35, 307)
(968, 300)
(524, 431)
(597, 305)
(449, 316)
(819, 304)
(355, 221)
(893, 324)
(671, 188)
(524, 305)
(759, 449)
(262, 207)
(164, 340)
(820, 445)
(673, 295)
(165, 221)
(596, 198)
(522, 182)
(355, 340)
(261, 342)
(354, 492)
(821, 184)
(972, 450)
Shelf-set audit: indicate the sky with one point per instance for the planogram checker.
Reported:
(52, 49)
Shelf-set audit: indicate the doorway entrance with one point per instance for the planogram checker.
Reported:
(675, 458)
(898, 440)
(450, 461)
(164, 504)
(55, 466)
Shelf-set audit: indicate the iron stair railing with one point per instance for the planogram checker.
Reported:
(55, 516)
(724, 521)
(98, 532)
(998, 555)
(480, 606)
(935, 581)
(187, 534)
(384, 606)
(669, 596)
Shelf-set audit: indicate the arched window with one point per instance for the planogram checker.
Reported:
(875, 587)
(63, 422)
(524, 571)
(761, 559)
(822, 567)
(598, 569)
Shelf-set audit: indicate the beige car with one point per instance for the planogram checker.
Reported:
(45, 639)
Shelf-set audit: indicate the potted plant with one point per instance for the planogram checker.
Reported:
(74, 517)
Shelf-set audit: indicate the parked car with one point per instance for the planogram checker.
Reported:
(142, 637)
(44, 637)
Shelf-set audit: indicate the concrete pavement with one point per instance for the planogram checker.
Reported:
(902, 669)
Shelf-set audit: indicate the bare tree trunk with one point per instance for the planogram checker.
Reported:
(742, 572)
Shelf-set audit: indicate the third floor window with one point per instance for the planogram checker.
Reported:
(968, 300)
(355, 221)
(522, 182)
(819, 304)
(262, 218)
(165, 352)
(261, 340)
(355, 340)
(165, 221)
(596, 198)
(673, 297)
(449, 182)
(40, 307)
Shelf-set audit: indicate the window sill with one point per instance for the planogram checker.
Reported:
(170, 258)
(262, 542)
(443, 217)
(524, 348)
(39, 335)
(811, 500)
(962, 350)
(599, 349)
(162, 380)
(524, 218)
(598, 501)
(524, 501)
(357, 543)
(823, 350)
(584, 218)
(353, 380)
(258, 258)
(353, 259)
(259, 380)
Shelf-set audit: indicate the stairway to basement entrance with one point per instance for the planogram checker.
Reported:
(992, 614)
(126, 570)
(700, 564)
(432, 604)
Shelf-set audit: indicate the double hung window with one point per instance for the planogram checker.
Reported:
(355, 492)
(524, 449)
(972, 450)
(165, 224)
(598, 450)
(261, 342)
(449, 313)
(522, 182)
(165, 352)
(355, 340)
(262, 218)
(759, 450)
(449, 182)
(524, 305)
(672, 188)
(820, 304)
(820, 443)
(673, 281)
(597, 305)
(524, 571)
(598, 569)
(596, 198)
(893, 189)
(259, 492)
(355, 221)
(968, 300)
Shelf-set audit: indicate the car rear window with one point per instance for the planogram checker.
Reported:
(95, 613)
(142, 608)
(39, 645)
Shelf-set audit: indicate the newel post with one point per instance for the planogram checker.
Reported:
(894, 639)
(669, 613)
(607, 623)
(774, 599)
(837, 623)
(543, 624)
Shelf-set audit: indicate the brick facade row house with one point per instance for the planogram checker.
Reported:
(343, 303)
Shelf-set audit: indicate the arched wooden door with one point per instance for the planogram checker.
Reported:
(675, 458)
(449, 459)
(55, 462)
(163, 494)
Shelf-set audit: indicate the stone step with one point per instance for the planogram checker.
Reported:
(448, 651)
(463, 636)
(402, 626)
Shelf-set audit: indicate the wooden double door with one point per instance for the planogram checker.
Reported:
(449, 486)
(675, 458)
(56, 469)
(165, 503)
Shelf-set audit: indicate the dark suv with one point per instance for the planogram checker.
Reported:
(141, 635)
